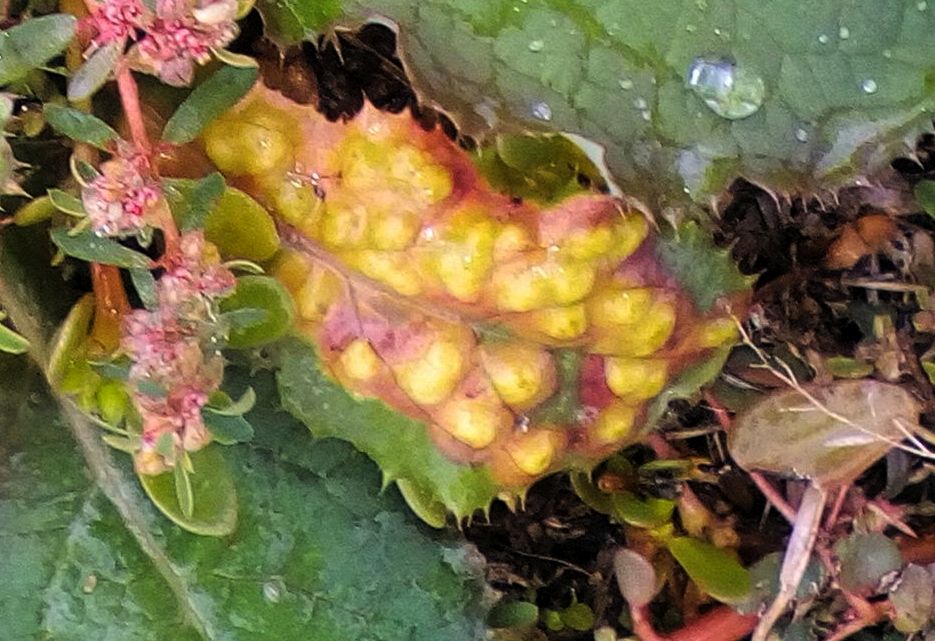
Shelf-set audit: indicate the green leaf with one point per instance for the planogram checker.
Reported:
(97, 70)
(845, 83)
(192, 200)
(319, 552)
(513, 614)
(401, 446)
(32, 43)
(715, 571)
(241, 227)
(227, 429)
(912, 599)
(36, 211)
(145, 285)
(66, 203)
(705, 271)
(93, 248)
(207, 101)
(11, 342)
(185, 495)
(925, 194)
(80, 126)
(265, 294)
(865, 559)
(236, 408)
(646, 513)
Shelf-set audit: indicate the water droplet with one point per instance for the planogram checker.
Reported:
(690, 28)
(824, 39)
(887, 53)
(922, 5)
(869, 86)
(844, 33)
(640, 103)
(646, 115)
(730, 91)
(702, 5)
(717, 31)
(542, 111)
(536, 46)
(272, 591)
(801, 134)
(626, 84)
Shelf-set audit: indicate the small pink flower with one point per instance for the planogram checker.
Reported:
(116, 19)
(117, 201)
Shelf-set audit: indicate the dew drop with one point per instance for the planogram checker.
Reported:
(824, 39)
(690, 28)
(626, 84)
(844, 33)
(542, 111)
(536, 46)
(640, 103)
(717, 31)
(728, 90)
(869, 86)
(922, 5)
(887, 53)
(272, 592)
(645, 115)
(801, 134)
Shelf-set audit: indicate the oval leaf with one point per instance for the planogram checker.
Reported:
(80, 126)
(92, 248)
(208, 100)
(788, 434)
(715, 571)
(32, 43)
(636, 577)
(865, 559)
(259, 293)
(912, 599)
(214, 500)
(238, 225)
(11, 342)
(94, 72)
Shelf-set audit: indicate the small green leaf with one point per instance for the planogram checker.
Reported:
(127, 444)
(11, 342)
(423, 504)
(912, 599)
(93, 248)
(66, 203)
(80, 126)
(646, 513)
(235, 59)
(145, 286)
(578, 616)
(207, 101)
(238, 408)
(214, 511)
(865, 559)
(241, 227)
(715, 571)
(32, 43)
(183, 490)
(92, 75)
(263, 293)
(227, 429)
(69, 337)
(292, 21)
(513, 614)
(243, 319)
(845, 367)
(192, 200)
(925, 195)
(36, 211)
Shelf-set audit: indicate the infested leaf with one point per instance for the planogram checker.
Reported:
(90, 247)
(32, 43)
(207, 101)
(80, 126)
(658, 85)
(714, 570)
(853, 425)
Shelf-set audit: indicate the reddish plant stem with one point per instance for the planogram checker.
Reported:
(720, 624)
(110, 306)
(773, 496)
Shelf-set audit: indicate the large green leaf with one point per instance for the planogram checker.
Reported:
(400, 445)
(845, 81)
(318, 553)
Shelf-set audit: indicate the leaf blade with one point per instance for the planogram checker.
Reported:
(207, 101)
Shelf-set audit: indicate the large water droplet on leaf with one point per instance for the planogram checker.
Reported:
(536, 46)
(542, 111)
(730, 91)
(869, 86)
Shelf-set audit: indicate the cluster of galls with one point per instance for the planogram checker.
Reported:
(452, 303)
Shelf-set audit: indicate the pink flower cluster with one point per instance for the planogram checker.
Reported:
(176, 363)
(117, 201)
(169, 40)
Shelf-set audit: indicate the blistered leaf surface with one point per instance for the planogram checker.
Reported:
(684, 95)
